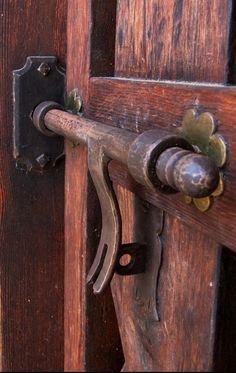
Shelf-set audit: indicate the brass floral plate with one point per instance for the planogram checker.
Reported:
(201, 131)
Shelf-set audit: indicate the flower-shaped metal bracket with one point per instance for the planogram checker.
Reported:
(200, 131)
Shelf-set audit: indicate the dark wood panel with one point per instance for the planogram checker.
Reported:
(142, 105)
(31, 206)
(92, 341)
(103, 36)
(225, 358)
(174, 39)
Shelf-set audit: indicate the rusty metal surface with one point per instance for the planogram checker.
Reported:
(40, 79)
(155, 159)
(139, 152)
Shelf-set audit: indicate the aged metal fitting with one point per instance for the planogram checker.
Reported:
(189, 161)
(200, 130)
(44, 68)
(39, 116)
(144, 153)
(74, 102)
(43, 160)
(40, 79)
(156, 159)
(187, 172)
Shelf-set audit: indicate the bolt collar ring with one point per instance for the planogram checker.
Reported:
(39, 115)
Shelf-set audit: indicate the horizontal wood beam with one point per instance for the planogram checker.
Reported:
(139, 105)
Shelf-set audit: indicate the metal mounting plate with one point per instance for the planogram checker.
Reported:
(41, 79)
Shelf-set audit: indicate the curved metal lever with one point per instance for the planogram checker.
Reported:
(154, 158)
(104, 263)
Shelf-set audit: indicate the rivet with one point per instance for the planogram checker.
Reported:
(43, 160)
(44, 69)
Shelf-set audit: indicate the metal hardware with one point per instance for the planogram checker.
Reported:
(44, 68)
(145, 294)
(158, 160)
(137, 262)
(41, 78)
(201, 131)
(74, 102)
(148, 159)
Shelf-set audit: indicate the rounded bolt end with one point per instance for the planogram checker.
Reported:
(189, 173)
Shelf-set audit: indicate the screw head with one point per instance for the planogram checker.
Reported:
(44, 68)
(43, 160)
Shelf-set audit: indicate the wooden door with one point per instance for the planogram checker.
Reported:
(155, 41)
(137, 65)
(31, 206)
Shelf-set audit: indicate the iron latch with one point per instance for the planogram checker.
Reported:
(156, 159)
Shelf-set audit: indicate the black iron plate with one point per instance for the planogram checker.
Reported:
(41, 79)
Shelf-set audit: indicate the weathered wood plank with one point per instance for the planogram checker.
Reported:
(92, 341)
(183, 338)
(31, 206)
(180, 40)
(173, 39)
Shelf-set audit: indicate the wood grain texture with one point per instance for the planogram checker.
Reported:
(170, 40)
(187, 299)
(182, 340)
(173, 39)
(31, 206)
(75, 190)
(92, 341)
(103, 35)
(142, 105)
(122, 287)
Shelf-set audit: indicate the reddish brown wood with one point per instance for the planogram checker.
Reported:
(142, 105)
(92, 341)
(185, 337)
(76, 185)
(31, 206)
(122, 286)
(187, 299)
(173, 39)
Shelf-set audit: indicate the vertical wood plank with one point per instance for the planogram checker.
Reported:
(103, 36)
(187, 297)
(76, 185)
(182, 340)
(149, 31)
(31, 206)
(183, 40)
(92, 341)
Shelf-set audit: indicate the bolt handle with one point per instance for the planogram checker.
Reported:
(190, 173)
